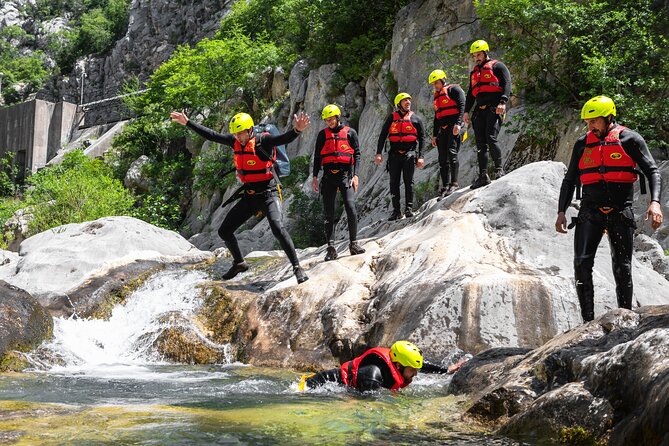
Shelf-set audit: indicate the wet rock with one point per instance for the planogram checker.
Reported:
(24, 324)
(610, 374)
(484, 369)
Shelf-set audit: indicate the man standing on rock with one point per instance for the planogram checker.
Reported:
(338, 152)
(254, 157)
(605, 162)
(490, 88)
(391, 368)
(404, 130)
(449, 108)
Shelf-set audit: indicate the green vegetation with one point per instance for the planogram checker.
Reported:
(77, 190)
(93, 26)
(579, 436)
(567, 51)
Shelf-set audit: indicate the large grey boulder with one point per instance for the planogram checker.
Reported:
(24, 324)
(608, 377)
(478, 270)
(70, 268)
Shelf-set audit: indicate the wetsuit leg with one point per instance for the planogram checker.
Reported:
(272, 209)
(348, 195)
(395, 168)
(329, 193)
(453, 149)
(323, 377)
(493, 126)
(621, 240)
(480, 124)
(587, 235)
(237, 216)
(408, 169)
(444, 159)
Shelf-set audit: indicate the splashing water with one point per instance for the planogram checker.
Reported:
(121, 344)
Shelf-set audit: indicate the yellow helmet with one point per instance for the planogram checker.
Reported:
(479, 45)
(407, 354)
(436, 75)
(329, 111)
(241, 122)
(598, 106)
(400, 97)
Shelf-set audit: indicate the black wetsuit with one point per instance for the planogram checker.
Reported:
(337, 177)
(257, 196)
(595, 217)
(448, 145)
(373, 373)
(402, 159)
(485, 121)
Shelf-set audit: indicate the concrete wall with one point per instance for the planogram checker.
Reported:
(35, 131)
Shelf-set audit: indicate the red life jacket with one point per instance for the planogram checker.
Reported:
(250, 168)
(483, 80)
(402, 129)
(349, 369)
(336, 148)
(443, 105)
(606, 160)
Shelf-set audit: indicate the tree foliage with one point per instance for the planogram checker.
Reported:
(568, 51)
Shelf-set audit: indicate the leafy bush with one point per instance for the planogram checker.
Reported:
(567, 51)
(308, 214)
(77, 190)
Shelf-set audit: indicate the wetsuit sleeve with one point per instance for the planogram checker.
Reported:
(571, 178)
(323, 377)
(369, 378)
(420, 134)
(433, 368)
(435, 126)
(353, 141)
(502, 73)
(212, 135)
(280, 140)
(458, 95)
(384, 134)
(320, 142)
(636, 148)
(469, 101)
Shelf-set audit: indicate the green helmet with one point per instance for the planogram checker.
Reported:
(598, 106)
(400, 97)
(407, 354)
(479, 45)
(241, 122)
(436, 75)
(329, 111)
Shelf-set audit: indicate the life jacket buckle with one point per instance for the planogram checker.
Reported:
(250, 191)
(334, 172)
(606, 210)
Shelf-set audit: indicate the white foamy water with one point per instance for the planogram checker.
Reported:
(119, 346)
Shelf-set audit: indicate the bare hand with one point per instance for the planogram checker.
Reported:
(501, 109)
(301, 121)
(655, 214)
(434, 142)
(354, 183)
(179, 117)
(457, 366)
(561, 223)
(465, 118)
(420, 163)
(314, 184)
(378, 160)
(456, 130)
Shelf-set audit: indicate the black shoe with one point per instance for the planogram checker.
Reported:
(499, 173)
(331, 254)
(300, 275)
(449, 190)
(408, 213)
(235, 269)
(482, 180)
(355, 248)
(442, 191)
(396, 215)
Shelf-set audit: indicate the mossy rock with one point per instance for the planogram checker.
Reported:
(222, 313)
(14, 361)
